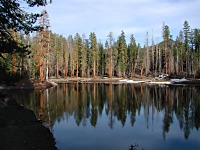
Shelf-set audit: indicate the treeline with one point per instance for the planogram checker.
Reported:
(50, 54)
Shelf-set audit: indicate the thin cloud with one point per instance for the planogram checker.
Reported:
(132, 16)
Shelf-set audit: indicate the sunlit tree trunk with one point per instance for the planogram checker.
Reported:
(110, 49)
(47, 59)
(15, 57)
(57, 69)
(14, 64)
(41, 63)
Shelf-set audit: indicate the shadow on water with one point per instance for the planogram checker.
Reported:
(86, 103)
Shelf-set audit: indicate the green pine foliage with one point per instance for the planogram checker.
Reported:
(82, 56)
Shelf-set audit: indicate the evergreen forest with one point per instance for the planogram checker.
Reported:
(44, 54)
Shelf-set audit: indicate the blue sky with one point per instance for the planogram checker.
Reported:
(67, 17)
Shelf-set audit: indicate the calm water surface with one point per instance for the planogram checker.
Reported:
(107, 116)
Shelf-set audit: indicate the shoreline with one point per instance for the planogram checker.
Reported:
(146, 81)
(20, 129)
(28, 84)
(96, 80)
(31, 84)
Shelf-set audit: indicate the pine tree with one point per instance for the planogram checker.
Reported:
(70, 56)
(166, 39)
(137, 61)
(78, 53)
(102, 59)
(178, 62)
(107, 60)
(131, 56)
(156, 58)
(147, 63)
(197, 47)
(110, 54)
(88, 57)
(94, 52)
(64, 53)
(152, 55)
(21, 55)
(186, 31)
(181, 56)
(83, 60)
(122, 55)
(44, 41)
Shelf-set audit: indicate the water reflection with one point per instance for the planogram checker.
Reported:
(123, 104)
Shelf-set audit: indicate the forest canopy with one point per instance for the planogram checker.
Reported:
(14, 18)
(52, 55)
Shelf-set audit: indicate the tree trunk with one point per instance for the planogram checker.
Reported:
(47, 59)
(156, 66)
(142, 69)
(57, 72)
(110, 69)
(77, 70)
(166, 60)
(82, 73)
(41, 68)
(14, 64)
(94, 69)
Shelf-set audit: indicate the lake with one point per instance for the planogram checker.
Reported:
(118, 116)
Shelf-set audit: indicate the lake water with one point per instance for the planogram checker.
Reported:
(110, 116)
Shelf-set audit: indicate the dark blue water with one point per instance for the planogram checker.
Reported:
(107, 116)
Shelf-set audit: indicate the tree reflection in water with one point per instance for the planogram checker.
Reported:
(88, 102)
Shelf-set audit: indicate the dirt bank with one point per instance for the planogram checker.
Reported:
(28, 84)
(19, 128)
